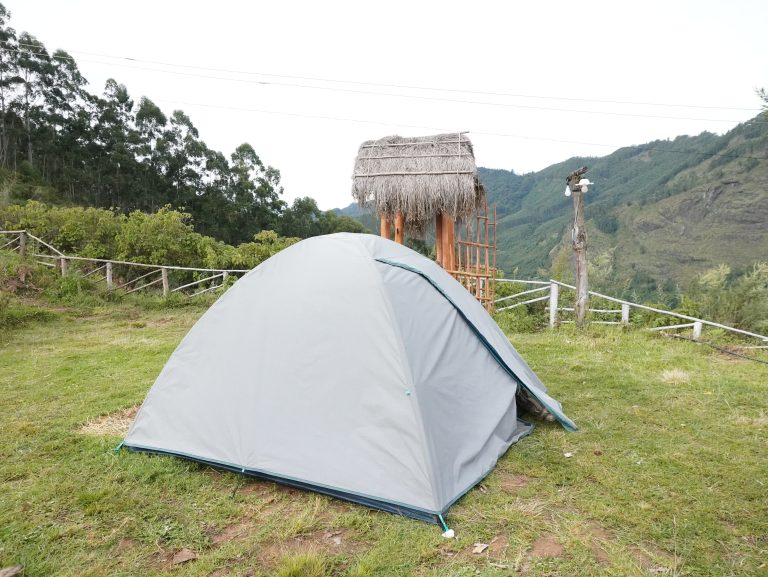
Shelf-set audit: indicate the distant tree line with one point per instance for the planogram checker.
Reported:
(61, 143)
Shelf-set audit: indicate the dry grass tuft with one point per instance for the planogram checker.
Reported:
(115, 424)
(675, 377)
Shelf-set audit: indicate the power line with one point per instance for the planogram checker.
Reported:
(395, 95)
(439, 129)
(444, 129)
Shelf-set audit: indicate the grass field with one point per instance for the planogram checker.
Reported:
(667, 476)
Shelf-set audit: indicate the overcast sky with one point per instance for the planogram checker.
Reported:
(290, 77)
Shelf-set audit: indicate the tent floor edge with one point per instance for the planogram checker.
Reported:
(395, 508)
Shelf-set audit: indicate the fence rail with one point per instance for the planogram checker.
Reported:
(23, 240)
(27, 244)
(554, 289)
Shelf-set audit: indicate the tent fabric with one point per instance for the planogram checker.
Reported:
(350, 365)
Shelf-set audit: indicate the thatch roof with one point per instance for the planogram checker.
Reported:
(419, 177)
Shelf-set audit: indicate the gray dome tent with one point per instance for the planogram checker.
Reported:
(349, 365)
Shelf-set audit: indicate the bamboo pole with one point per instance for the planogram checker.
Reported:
(400, 228)
(449, 255)
(384, 228)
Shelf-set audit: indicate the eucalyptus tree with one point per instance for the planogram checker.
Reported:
(34, 65)
(9, 78)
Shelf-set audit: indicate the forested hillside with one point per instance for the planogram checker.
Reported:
(62, 144)
(658, 215)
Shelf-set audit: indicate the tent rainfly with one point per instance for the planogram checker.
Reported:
(382, 381)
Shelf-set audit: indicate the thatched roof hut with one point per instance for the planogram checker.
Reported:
(418, 177)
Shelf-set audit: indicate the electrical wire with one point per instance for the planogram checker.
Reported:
(405, 96)
(445, 129)
(439, 129)
(402, 86)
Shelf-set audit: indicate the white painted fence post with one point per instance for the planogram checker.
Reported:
(624, 313)
(697, 326)
(109, 276)
(554, 289)
(164, 273)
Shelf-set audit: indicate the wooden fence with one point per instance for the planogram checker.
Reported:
(118, 274)
(551, 290)
(128, 279)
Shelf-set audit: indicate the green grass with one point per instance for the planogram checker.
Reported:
(668, 474)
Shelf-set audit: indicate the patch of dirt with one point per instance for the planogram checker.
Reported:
(547, 546)
(329, 542)
(600, 535)
(231, 533)
(514, 483)
(124, 545)
(652, 559)
(114, 424)
(497, 547)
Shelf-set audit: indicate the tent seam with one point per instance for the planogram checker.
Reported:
(425, 445)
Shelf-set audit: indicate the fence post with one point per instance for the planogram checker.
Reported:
(697, 326)
(63, 264)
(164, 272)
(109, 276)
(224, 275)
(624, 313)
(23, 243)
(554, 289)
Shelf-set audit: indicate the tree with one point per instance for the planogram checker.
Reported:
(9, 78)
(34, 65)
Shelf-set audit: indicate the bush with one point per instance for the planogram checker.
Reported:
(15, 315)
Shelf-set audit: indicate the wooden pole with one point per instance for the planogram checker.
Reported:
(449, 252)
(400, 228)
(384, 227)
(109, 276)
(579, 247)
(23, 243)
(164, 273)
(439, 238)
(624, 313)
(63, 264)
(554, 290)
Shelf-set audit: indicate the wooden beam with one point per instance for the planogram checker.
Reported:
(448, 236)
(384, 227)
(439, 238)
(400, 228)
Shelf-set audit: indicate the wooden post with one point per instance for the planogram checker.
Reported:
(23, 243)
(164, 273)
(697, 326)
(109, 276)
(554, 290)
(448, 236)
(63, 264)
(224, 275)
(439, 238)
(624, 314)
(384, 227)
(400, 228)
(579, 247)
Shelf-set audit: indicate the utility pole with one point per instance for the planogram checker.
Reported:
(577, 186)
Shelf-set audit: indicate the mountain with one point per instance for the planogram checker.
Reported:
(658, 213)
